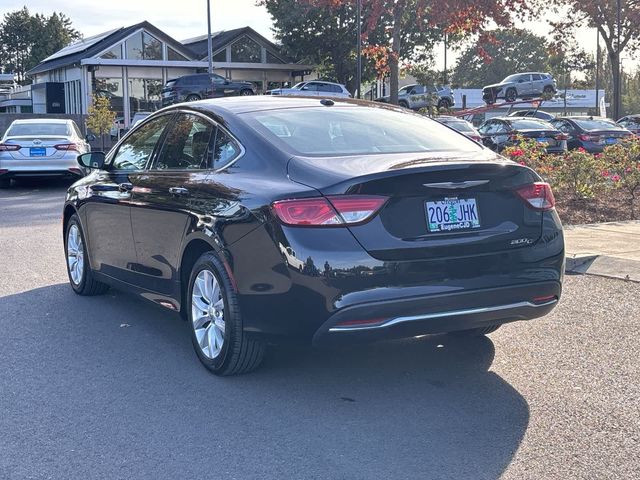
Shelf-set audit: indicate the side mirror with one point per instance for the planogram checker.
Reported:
(94, 160)
(90, 137)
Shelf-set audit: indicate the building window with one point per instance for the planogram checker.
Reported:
(143, 46)
(114, 53)
(271, 58)
(111, 88)
(173, 55)
(246, 50)
(144, 94)
(221, 56)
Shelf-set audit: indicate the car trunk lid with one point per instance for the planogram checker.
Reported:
(480, 189)
(37, 146)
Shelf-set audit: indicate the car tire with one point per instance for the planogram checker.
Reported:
(476, 332)
(548, 90)
(192, 98)
(403, 104)
(81, 276)
(217, 333)
(511, 95)
(444, 104)
(246, 92)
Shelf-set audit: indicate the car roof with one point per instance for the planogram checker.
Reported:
(323, 81)
(42, 120)
(244, 104)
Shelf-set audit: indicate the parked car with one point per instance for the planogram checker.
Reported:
(631, 123)
(317, 220)
(501, 132)
(190, 88)
(520, 85)
(417, 96)
(590, 133)
(313, 88)
(460, 125)
(533, 113)
(41, 148)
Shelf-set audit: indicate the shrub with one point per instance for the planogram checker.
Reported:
(621, 167)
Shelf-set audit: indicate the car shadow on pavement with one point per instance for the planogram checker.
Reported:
(113, 380)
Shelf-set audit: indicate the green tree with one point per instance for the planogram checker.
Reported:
(26, 39)
(498, 54)
(101, 117)
(319, 34)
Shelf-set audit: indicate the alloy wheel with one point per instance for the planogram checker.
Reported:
(207, 313)
(75, 254)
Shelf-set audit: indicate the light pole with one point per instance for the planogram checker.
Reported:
(616, 107)
(209, 46)
(359, 48)
(597, 70)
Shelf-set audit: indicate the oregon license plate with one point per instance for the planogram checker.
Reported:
(37, 151)
(611, 141)
(543, 140)
(452, 214)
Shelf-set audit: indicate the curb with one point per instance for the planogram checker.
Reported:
(604, 266)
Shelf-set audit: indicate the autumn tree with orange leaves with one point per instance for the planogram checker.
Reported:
(404, 19)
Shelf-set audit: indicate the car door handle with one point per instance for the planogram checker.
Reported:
(125, 187)
(179, 191)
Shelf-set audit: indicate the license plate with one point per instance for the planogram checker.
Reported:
(543, 140)
(37, 151)
(610, 141)
(452, 214)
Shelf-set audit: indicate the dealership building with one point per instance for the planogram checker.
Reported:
(130, 66)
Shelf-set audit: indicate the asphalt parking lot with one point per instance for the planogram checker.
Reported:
(109, 388)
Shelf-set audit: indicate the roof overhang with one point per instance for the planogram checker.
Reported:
(195, 64)
(16, 102)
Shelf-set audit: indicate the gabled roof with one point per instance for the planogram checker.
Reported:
(91, 46)
(219, 40)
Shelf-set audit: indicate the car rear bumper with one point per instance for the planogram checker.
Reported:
(407, 317)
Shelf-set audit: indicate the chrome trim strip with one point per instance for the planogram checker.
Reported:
(451, 313)
(455, 185)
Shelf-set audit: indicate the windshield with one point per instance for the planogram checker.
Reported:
(405, 89)
(511, 78)
(299, 85)
(35, 129)
(337, 131)
(531, 124)
(596, 124)
(459, 125)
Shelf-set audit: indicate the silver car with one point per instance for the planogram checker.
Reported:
(520, 85)
(41, 148)
(314, 88)
(417, 96)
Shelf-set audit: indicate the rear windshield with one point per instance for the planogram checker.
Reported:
(596, 124)
(336, 131)
(530, 124)
(31, 129)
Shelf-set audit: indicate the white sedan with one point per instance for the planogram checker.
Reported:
(313, 88)
(41, 148)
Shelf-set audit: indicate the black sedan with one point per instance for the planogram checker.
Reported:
(262, 219)
(590, 133)
(631, 123)
(501, 132)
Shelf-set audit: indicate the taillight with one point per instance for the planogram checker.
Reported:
(538, 196)
(589, 138)
(7, 147)
(333, 211)
(562, 136)
(67, 147)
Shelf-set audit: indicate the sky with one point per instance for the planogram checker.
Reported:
(184, 19)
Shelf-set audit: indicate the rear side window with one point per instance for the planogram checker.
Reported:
(537, 76)
(323, 131)
(225, 150)
(36, 129)
(186, 145)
